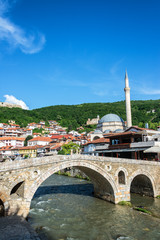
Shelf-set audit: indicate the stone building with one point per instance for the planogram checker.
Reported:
(92, 121)
(9, 105)
(108, 123)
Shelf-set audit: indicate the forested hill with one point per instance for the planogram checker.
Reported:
(73, 116)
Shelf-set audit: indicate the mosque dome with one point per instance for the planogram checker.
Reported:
(118, 131)
(97, 131)
(111, 118)
(107, 131)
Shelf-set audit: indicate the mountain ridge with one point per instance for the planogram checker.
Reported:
(73, 116)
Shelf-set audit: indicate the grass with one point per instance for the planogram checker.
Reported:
(125, 203)
(68, 174)
(142, 210)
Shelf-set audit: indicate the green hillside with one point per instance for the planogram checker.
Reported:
(73, 116)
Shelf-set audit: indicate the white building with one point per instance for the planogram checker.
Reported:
(1, 131)
(12, 132)
(39, 141)
(6, 151)
(11, 141)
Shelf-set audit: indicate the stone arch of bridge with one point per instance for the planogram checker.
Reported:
(18, 189)
(16, 181)
(4, 201)
(98, 175)
(147, 175)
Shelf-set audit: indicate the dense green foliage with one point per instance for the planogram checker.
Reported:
(73, 116)
(66, 149)
(38, 130)
(29, 137)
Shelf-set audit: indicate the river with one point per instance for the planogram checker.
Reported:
(63, 208)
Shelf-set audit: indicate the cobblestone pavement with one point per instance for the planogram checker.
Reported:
(16, 228)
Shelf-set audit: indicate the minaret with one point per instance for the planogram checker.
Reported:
(128, 102)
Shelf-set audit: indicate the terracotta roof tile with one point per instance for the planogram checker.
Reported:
(12, 138)
(44, 139)
(99, 140)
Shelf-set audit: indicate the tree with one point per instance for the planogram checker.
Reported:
(38, 130)
(27, 139)
(66, 149)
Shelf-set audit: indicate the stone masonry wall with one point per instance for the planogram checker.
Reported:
(103, 172)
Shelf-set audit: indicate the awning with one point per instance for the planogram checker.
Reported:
(122, 150)
(152, 150)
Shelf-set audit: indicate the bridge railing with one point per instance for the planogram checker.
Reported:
(26, 163)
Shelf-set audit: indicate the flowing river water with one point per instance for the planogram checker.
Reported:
(63, 208)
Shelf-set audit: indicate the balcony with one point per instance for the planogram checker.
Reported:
(120, 146)
(142, 144)
(102, 147)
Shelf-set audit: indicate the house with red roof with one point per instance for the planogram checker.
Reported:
(39, 141)
(1, 132)
(28, 132)
(37, 135)
(133, 143)
(11, 141)
(6, 151)
(91, 148)
(12, 132)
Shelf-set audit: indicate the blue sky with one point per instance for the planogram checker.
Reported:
(75, 51)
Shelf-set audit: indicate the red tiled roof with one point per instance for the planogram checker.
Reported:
(57, 136)
(99, 140)
(30, 147)
(58, 145)
(11, 128)
(140, 128)
(12, 138)
(33, 123)
(124, 134)
(5, 148)
(44, 139)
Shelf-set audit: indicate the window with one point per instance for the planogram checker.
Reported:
(121, 177)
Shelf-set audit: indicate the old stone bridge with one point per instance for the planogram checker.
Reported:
(113, 178)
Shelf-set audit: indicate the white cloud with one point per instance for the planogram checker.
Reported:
(150, 91)
(16, 36)
(14, 100)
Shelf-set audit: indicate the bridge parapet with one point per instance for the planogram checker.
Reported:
(25, 163)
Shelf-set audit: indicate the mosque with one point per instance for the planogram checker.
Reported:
(112, 122)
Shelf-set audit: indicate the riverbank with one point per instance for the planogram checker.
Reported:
(16, 228)
(73, 172)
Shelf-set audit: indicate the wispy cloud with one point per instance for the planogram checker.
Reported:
(14, 100)
(115, 68)
(15, 36)
(150, 91)
(100, 93)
